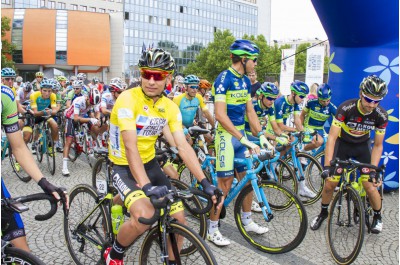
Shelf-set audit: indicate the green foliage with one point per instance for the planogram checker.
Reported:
(7, 47)
(301, 58)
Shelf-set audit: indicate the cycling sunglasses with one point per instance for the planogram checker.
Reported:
(8, 79)
(301, 96)
(270, 98)
(370, 100)
(194, 87)
(157, 75)
(254, 59)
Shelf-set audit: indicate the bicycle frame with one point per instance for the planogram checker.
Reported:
(298, 169)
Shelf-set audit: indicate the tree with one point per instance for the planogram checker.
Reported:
(7, 47)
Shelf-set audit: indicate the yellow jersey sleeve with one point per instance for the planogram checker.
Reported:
(53, 100)
(203, 105)
(33, 97)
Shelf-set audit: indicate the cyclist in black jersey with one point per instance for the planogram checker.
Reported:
(349, 137)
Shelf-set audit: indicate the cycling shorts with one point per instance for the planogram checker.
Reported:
(129, 189)
(357, 151)
(70, 126)
(227, 148)
(12, 226)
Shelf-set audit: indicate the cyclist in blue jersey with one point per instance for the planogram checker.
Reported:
(284, 107)
(264, 108)
(316, 112)
(232, 90)
(190, 101)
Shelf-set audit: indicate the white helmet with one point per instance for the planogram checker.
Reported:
(94, 96)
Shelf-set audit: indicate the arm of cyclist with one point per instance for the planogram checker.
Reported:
(188, 156)
(25, 159)
(297, 122)
(303, 116)
(376, 154)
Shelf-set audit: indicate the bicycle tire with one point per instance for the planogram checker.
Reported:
(73, 151)
(50, 154)
(312, 175)
(39, 149)
(286, 178)
(197, 222)
(288, 226)
(14, 255)
(339, 216)
(86, 149)
(99, 171)
(21, 174)
(83, 200)
(150, 251)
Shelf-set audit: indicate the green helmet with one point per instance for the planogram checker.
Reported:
(268, 90)
(61, 78)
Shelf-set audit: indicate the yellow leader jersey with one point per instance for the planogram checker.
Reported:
(134, 111)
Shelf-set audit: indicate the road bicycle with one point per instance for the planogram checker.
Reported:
(45, 145)
(88, 230)
(350, 212)
(83, 143)
(101, 181)
(13, 255)
(306, 168)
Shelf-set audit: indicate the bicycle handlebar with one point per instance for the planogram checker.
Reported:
(12, 204)
(349, 162)
(162, 203)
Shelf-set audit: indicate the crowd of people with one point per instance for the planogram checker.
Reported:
(245, 112)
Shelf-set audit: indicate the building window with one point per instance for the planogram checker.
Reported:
(61, 5)
(84, 8)
(168, 22)
(215, 29)
(102, 10)
(110, 10)
(92, 9)
(42, 3)
(74, 7)
(51, 4)
(7, 2)
(181, 9)
(126, 15)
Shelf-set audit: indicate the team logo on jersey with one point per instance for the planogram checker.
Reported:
(161, 110)
(149, 126)
(317, 108)
(358, 119)
(145, 108)
(220, 89)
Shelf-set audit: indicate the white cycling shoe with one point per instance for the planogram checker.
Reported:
(255, 207)
(218, 239)
(65, 172)
(253, 227)
(306, 192)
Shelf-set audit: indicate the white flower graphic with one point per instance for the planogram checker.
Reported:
(385, 68)
(386, 156)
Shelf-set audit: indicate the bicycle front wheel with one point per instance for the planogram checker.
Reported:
(287, 226)
(50, 154)
(150, 252)
(100, 174)
(14, 255)
(346, 226)
(87, 229)
(18, 170)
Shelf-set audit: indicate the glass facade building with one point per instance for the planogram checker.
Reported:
(182, 27)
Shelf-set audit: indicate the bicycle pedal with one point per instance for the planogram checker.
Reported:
(301, 178)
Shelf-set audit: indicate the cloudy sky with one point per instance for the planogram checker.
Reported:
(295, 19)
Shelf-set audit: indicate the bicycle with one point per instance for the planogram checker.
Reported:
(45, 145)
(7, 151)
(309, 172)
(350, 213)
(83, 143)
(101, 181)
(88, 230)
(10, 254)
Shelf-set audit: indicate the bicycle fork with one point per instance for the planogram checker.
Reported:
(262, 200)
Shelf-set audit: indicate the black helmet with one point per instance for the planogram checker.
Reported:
(374, 86)
(157, 58)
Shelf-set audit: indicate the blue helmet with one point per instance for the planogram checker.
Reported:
(268, 90)
(244, 48)
(191, 79)
(299, 88)
(8, 72)
(47, 83)
(324, 91)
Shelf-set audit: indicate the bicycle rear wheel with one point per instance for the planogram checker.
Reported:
(100, 173)
(18, 170)
(346, 226)
(197, 222)
(39, 149)
(73, 151)
(86, 239)
(288, 226)
(14, 255)
(286, 175)
(150, 252)
(50, 154)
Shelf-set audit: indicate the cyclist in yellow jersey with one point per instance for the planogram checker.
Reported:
(138, 117)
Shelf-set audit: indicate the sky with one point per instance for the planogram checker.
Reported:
(295, 19)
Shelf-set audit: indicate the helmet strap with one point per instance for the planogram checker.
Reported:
(244, 66)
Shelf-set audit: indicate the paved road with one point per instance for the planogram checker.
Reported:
(47, 239)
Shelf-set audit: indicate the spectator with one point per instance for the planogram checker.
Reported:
(255, 85)
(313, 92)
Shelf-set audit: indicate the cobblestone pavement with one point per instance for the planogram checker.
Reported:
(46, 239)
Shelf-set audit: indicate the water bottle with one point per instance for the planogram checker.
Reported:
(117, 218)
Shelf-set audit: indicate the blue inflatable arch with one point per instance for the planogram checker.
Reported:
(364, 40)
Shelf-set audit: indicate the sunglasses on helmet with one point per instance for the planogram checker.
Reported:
(156, 75)
(371, 100)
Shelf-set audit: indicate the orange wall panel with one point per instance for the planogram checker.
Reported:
(39, 36)
(88, 39)
(6, 12)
